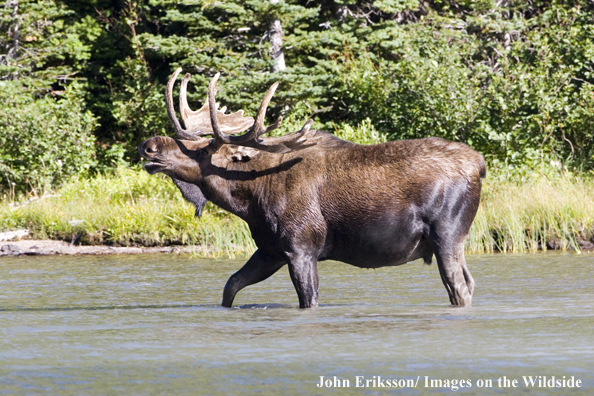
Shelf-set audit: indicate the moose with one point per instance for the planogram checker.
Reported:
(309, 196)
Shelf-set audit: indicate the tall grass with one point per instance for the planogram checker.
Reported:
(130, 207)
(526, 217)
(127, 208)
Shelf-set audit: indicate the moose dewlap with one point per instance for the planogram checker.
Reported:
(309, 196)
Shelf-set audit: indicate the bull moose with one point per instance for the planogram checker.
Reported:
(308, 196)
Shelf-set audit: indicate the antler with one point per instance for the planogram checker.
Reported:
(291, 142)
(198, 123)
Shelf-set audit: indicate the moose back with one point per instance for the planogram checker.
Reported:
(309, 196)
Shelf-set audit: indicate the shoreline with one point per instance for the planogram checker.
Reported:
(48, 247)
(132, 208)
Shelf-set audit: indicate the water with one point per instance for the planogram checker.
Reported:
(124, 325)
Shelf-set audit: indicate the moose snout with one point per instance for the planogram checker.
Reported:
(152, 150)
(148, 148)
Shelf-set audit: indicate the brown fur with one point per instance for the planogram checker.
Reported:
(369, 206)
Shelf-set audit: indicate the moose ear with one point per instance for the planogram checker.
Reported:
(241, 153)
(193, 194)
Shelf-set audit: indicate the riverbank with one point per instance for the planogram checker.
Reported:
(533, 215)
(132, 209)
(32, 247)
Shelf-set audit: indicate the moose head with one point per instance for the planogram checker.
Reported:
(179, 158)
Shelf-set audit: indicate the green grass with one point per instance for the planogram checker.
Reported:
(127, 208)
(130, 207)
(523, 217)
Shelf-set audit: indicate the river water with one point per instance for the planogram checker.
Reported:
(125, 325)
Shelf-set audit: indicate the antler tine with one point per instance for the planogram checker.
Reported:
(259, 123)
(219, 137)
(292, 142)
(169, 102)
(186, 111)
(179, 131)
(273, 126)
(183, 98)
(257, 128)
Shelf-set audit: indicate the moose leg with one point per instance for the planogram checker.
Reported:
(257, 269)
(455, 274)
(469, 279)
(304, 274)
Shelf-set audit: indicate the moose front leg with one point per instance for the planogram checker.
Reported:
(304, 274)
(258, 268)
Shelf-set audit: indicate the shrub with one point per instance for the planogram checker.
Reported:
(44, 140)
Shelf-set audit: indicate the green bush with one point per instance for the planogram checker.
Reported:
(43, 141)
(513, 79)
(518, 89)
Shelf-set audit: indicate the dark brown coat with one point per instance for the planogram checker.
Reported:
(309, 196)
(369, 206)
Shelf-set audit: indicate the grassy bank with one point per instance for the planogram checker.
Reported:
(127, 208)
(131, 207)
(537, 215)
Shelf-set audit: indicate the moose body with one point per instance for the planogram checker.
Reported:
(310, 196)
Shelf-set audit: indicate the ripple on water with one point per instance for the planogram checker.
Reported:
(119, 324)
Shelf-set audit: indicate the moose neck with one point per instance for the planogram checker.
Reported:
(239, 186)
(229, 195)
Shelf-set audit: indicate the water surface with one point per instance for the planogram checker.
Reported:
(153, 325)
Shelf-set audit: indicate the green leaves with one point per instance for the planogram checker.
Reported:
(514, 87)
(514, 81)
(46, 132)
(43, 141)
(394, 6)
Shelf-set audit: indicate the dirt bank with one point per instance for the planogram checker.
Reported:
(31, 247)
(49, 247)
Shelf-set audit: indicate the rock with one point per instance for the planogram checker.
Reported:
(585, 245)
(9, 248)
(553, 243)
(36, 252)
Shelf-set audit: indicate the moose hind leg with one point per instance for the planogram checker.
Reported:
(304, 274)
(455, 275)
(469, 279)
(257, 269)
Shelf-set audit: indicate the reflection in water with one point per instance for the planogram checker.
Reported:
(153, 325)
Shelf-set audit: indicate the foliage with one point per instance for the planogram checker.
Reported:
(46, 132)
(46, 45)
(43, 141)
(513, 79)
(364, 133)
(517, 89)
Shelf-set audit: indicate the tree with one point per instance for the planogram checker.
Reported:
(46, 134)
(511, 78)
